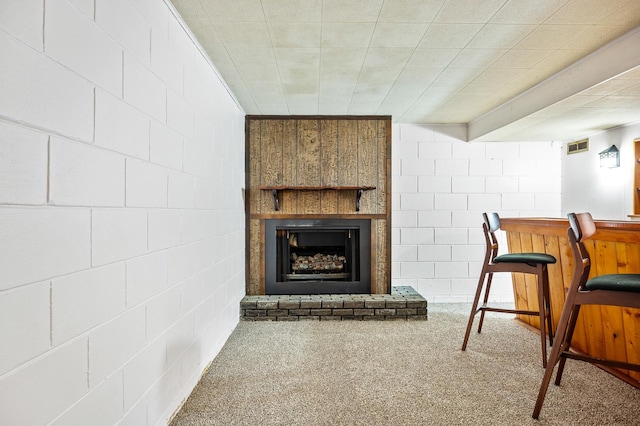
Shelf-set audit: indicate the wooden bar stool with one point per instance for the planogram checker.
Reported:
(527, 263)
(610, 289)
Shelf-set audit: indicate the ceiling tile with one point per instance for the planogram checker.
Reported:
(387, 57)
(523, 59)
(495, 76)
(591, 38)
(244, 33)
(403, 89)
(464, 12)
(233, 10)
(379, 75)
(477, 58)
(204, 34)
(300, 90)
(259, 73)
(292, 10)
(419, 75)
(559, 59)
(252, 56)
(338, 90)
(457, 76)
(347, 35)
(190, 9)
(397, 35)
(432, 57)
(628, 15)
(351, 10)
(526, 11)
(409, 10)
(295, 34)
(547, 37)
(297, 57)
(611, 87)
(585, 11)
(449, 35)
(500, 36)
(342, 58)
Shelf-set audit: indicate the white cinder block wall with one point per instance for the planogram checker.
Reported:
(441, 186)
(121, 212)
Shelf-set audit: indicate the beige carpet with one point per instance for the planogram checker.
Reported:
(398, 373)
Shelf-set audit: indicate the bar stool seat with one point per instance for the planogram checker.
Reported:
(609, 289)
(527, 263)
(615, 282)
(528, 258)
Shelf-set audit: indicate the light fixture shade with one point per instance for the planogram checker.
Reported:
(610, 157)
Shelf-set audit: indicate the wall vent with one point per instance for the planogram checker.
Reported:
(578, 146)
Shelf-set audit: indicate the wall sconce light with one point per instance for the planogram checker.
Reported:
(610, 157)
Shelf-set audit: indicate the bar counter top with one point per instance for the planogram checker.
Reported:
(615, 248)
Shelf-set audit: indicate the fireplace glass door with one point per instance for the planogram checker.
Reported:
(317, 256)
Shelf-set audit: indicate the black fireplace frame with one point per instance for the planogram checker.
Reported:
(319, 286)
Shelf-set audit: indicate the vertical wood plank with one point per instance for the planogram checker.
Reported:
(289, 199)
(519, 286)
(308, 165)
(606, 262)
(253, 279)
(270, 159)
(531, 283)
(329, 165)
(628, 263)
(383, 283)
(254, 166)
(552, 247)
(383, 181)
(374, 258)
(367, 163)
(631, 323)
(348, 170)
(261, 258)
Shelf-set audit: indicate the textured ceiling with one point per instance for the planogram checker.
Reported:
(509, 69)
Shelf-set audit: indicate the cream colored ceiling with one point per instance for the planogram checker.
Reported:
(431, 61)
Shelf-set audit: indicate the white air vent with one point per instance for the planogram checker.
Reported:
(578, 146)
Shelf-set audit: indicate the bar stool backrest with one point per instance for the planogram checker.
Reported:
(492, 220)
(490, 226)
(581, 227)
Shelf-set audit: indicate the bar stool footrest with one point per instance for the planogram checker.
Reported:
(507, 311)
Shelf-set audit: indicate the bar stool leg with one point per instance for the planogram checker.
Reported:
(474, 308)
(566, 324)
(485, 301)
(547, 301)
(541, 314)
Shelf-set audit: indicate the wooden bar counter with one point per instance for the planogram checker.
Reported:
(615, 248)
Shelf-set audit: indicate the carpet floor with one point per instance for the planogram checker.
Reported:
(398, 373)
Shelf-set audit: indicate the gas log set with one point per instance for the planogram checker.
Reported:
(318, 263)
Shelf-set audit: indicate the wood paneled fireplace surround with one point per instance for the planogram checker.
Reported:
(318, 205)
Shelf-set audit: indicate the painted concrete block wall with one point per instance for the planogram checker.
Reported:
(442, 185)
(121, 212)
(606, 193)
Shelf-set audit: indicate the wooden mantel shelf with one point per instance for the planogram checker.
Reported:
(276, 203)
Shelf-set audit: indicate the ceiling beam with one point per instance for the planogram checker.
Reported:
(611, 60)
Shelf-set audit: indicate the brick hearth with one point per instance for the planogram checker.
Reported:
(404, 303)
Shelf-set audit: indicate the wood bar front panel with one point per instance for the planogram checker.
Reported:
(606, 331)
(327, 151)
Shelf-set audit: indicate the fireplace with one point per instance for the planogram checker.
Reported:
(317, 256)
(322, 182)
